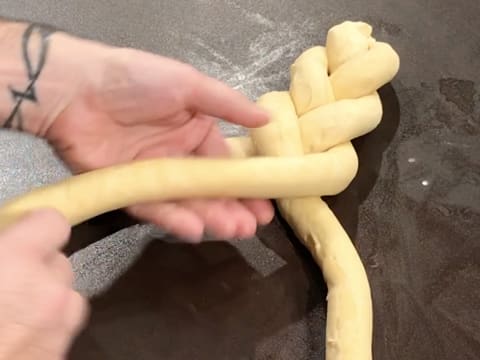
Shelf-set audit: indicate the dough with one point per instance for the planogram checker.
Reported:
(359, 67)
(331, 124)
(346, 41)
(365, 73)
(301, 155)
(310, 87)
(93, 193)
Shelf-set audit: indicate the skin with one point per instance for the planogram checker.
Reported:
(40, 313)
(165, 109)
(98, 106)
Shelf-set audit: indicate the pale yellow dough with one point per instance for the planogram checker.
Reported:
(309, 86)
(84, 196)
(301, 155)
(327, 126)
(309, 120)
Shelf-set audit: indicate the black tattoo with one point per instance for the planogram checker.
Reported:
(15, 119)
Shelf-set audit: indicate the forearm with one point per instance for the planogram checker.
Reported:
(41, 70)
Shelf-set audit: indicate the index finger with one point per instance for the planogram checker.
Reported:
(41, 233)
(213, 97)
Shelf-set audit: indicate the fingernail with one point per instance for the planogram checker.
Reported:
(194, 239)
(210, 236)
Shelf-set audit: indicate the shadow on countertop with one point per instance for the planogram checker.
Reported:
(206, 302)
(196, 302)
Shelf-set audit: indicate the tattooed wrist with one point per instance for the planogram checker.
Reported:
(34, 62)
(45, 75)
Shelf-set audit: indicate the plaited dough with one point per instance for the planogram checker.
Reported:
(359, 67)
(340, 122)
(347, 40)
(302, 154)
(355, 78)
(310, 87)
(327, 126)
(349, 315)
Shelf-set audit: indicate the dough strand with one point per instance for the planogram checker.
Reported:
(84, 196)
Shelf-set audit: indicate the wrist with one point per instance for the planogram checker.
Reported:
(41, 73)
(74, 70)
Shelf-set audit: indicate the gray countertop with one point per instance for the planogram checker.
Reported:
(413, 210)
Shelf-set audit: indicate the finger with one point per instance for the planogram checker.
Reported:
(54, 340)
(173, 218)
(41, 233)
(219, 220)
(246, 223)
(263, 210)
(224, 218)
(77, 313)
(61, 268)
(76, 316)
(215, 98)
(214, 145)
(44, 351)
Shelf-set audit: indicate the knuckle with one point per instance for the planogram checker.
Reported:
(192, 77)
(52, 306)
(54, 217)
(51, 219)
(187, 78)
(190, 72)
(64, 269)
(122, 55)
(65, 309)
(78, 313)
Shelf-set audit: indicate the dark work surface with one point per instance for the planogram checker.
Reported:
(413, 211)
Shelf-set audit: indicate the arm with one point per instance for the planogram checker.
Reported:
(41, 70)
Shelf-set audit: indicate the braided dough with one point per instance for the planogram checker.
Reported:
(302, 154)
(332, 99)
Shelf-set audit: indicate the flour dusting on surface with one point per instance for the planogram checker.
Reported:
(255, 72)
(257, 75)
(250, 15)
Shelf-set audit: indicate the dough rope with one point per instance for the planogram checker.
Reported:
(84, 196)
(302, 154)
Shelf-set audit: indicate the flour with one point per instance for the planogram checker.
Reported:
(253, 16)
(258, 64)
(267, 67)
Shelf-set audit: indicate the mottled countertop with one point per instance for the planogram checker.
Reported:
(413, 211)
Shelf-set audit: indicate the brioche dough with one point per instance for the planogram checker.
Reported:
(330, 125)
(359, 67)
(302, 154)
(93, 193)
(309, 86)
(354, 78)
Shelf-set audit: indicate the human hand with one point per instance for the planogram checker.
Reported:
(40, 313)
(138, 105)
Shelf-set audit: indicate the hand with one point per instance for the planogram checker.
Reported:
(140, 105)
(40, 313)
